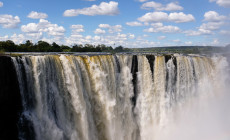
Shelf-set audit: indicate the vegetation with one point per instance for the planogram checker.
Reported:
(184, 49)
(42, 46)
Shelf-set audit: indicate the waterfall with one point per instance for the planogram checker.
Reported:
(111, 97)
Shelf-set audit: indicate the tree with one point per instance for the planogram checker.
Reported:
(55, 47)
(65, 48)
(119, 49)
(8, 46)
(43, 46)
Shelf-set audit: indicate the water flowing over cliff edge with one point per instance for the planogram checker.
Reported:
(113, 97)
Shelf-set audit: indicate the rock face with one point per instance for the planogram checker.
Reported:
(10, 100)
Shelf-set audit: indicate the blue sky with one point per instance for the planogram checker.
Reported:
(131, 23)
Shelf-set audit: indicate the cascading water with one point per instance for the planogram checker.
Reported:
(111, 97)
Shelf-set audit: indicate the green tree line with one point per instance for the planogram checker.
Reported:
(42, 46)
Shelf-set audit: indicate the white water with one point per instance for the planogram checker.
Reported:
(93, 98)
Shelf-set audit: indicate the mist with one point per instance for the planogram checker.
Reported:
(205, 117)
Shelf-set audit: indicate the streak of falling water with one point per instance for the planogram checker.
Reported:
(120, 97)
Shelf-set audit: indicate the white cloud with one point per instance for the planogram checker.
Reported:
(104, 8)
(215, 21)
(104, 25)
(188, 43)
(36, 15)
(213, 16)
(88, 37)
(134, 23)
(121, 36)
(97, 37)
(215, 41)
(3, 38)
(1, 4)
(159, 27)
(30, 28)
(211, 25)
(205, 29)
(36, 36)
(99, 31)
(111, 29)
(162, 16)
(176, 40)
(116, 28)
(142, 0)
(8, 21)
(20, 38)
(117, 39)
(161, 37)
(225, 32)
(145, 35)
(77, 28)
(181, 17)
(173, 7)
(223, 3)
(160, 7)
(76, 36)
(17, 39)
(131, 36)
(152, 5)
(154, 17)
(199, 32)
(44, 26)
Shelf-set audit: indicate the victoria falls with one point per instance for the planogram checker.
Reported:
(114, 69)
(123, 96)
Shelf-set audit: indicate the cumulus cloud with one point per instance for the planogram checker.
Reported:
(215, 41)
(134, 23)
(111, 29)
(1, 4)
(20, 38)
(110, 8)
(131, 36)
(162, 16)
(159, 27)
(111, 40)
(160, 7)
(180, 17)
(77, 28)
(99, 31)
(3, 38)
(211, 25)
(223, 3)
(154, 17)
(225, 32)
(161, 37)
(188, 43)
(213, 16)
(176, 40)
(199, 32)
(36, 15)
(152, 5)
(214, 22)
(8, 21)
(142, 0)
(16, 38)
(104, 26)
(44, 26)
(173, 7)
